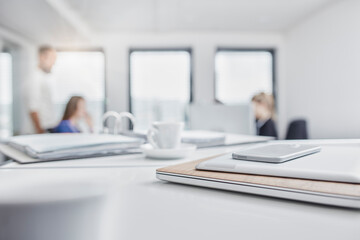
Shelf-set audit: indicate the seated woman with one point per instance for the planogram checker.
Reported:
(264, 114)
(75, 111)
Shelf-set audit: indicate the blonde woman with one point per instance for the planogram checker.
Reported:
(264, 114)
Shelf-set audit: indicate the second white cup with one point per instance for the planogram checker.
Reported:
(165, 135)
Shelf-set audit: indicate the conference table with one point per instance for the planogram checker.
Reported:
(119, 197)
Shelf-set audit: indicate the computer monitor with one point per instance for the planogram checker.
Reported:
(223, 118)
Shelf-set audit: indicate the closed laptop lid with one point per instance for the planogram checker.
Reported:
(339, 163)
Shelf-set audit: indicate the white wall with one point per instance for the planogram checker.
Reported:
(323, 71)
(203, 45)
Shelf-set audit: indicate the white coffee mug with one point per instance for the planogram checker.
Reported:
(165, 135)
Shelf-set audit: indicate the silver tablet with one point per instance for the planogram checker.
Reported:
(275, 153)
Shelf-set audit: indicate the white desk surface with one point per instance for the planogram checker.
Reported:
(126, 201)
(135, 205)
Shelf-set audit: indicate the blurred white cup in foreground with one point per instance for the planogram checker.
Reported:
(165, 135)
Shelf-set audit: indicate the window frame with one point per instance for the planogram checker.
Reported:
(105, 66)
(272, 51)
(9, 51)
(186, 49)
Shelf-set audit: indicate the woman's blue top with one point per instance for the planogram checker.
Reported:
(65, 126)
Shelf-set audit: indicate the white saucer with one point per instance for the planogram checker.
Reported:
(183, 151)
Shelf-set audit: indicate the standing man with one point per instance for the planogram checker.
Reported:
(40, 90)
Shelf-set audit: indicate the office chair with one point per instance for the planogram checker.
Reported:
(297, 130)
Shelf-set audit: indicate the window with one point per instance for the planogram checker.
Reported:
(160, 85)
(81, 73)
(240, 74)
(6, 127)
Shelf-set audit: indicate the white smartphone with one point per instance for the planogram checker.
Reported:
(276, 153)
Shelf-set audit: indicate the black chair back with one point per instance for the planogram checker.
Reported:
(297, 130)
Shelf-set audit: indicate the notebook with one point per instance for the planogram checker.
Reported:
(204, 139)
(69, 146)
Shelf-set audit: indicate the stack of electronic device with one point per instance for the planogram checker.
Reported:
(321, 173)
(50, 147)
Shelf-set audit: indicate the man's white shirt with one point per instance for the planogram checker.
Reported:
(39, 98)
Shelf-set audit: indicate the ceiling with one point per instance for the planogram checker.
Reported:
(34, 19)
(159, 15)
(39, 19)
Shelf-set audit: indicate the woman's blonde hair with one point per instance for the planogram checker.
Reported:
(267, 100)
(71, 107)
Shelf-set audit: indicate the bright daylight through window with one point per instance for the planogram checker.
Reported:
(160, 85)
(81, 73)
(240, 74)
(6, 127)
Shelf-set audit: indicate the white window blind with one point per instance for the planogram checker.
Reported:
(160, 83)
(81, 73)
(6, 127)
(241, 74)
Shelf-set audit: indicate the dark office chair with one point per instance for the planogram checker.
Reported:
(297, 130)
(50, 130)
